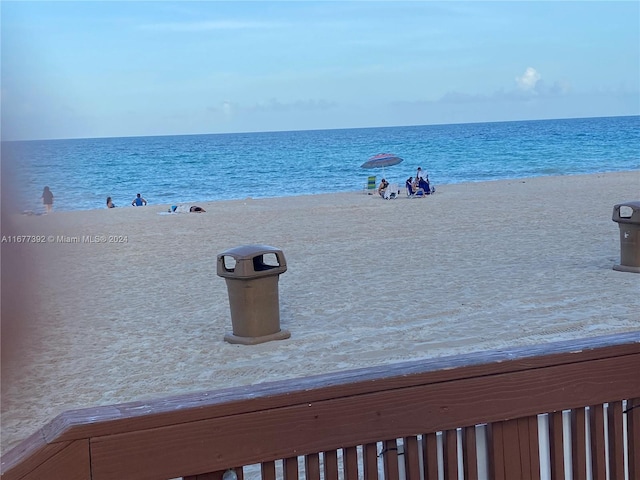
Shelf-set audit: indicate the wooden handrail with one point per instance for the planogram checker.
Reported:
(213, 431)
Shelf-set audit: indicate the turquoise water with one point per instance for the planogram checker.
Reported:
(191, 168)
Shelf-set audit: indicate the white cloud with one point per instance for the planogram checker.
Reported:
(227, 108)
(528, 80)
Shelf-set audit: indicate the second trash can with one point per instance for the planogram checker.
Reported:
(627, 216)
(252, 273)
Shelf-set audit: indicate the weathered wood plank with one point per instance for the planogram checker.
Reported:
(28, 455)
(71, 462)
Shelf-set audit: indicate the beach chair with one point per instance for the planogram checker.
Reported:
(370, 188)
(391, 191)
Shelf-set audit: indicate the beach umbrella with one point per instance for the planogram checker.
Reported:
(382, 160)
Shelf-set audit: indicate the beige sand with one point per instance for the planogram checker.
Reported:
(475, 267)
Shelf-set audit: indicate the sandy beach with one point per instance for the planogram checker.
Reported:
(477, 266)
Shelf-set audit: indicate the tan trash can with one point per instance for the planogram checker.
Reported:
(252, 273)
(627, 215)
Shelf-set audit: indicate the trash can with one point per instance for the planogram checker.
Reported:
(252, 273)
(627, 215)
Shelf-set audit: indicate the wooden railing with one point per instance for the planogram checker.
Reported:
(531, 412)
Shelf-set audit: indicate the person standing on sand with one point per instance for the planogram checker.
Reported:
(138, 201)
(420, 174)
(47, 200)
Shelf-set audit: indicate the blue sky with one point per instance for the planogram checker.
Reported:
(119, 68)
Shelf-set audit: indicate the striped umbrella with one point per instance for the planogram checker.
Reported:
(382, 160)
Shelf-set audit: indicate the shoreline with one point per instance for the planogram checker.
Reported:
(477, 266)
(16, 210)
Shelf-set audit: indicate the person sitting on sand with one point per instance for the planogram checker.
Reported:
(409, 185)
(383, 187)
(424, 185)
(138, 201)
(110, 204)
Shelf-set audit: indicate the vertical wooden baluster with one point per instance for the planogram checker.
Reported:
(596, 430)
(469, 453)
(496, 451)
(390, 460)
(578, 444)
(350, 463)
(633, 436)
(290, 468)
(430, 456)
(370, 461)
(268, 470)
(556, 446)
(312, 466)
(616, 440)
(330, 465)
(528, 428)
(450, 450)
(411, 458)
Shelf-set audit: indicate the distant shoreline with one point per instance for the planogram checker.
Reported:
(347, 192)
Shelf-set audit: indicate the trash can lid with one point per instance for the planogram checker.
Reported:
(249, 251)
(634, 217)
(249, 262)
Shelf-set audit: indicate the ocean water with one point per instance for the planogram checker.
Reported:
(195, 168)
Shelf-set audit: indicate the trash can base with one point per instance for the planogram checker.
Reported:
(281, 335)
(626, 268)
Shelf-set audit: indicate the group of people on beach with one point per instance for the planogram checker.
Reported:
(47, 200)
(138, 201)
(418, 186)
